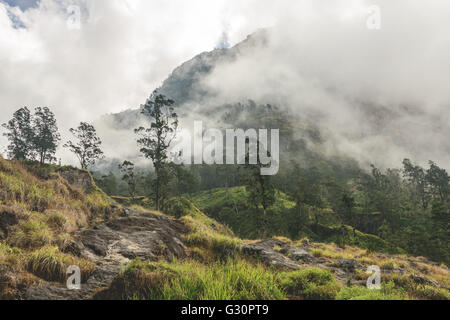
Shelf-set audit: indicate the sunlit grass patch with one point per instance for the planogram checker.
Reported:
(388, 264)
(428, 292)
(50, 264)
(57, 221)
(31, 233)
(388, 291)
(310, 284)
(10, 256)
(204, 236)
(231, 280)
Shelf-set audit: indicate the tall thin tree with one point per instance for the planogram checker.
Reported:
(46, 135)
(87, 149)
(156, 139)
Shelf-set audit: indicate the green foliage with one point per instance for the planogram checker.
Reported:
(428, 292)
(156, 139)
(50, 264)
(32, 136)
(230, 280)
(20, 135)
(87, 148)
(32, 233)
(57, 221)
(10, 256)
(128, 175)
(46, 137)
(108, 183)
(354, 237)
(241, 215)
(388, 291)
(135, 201)
(310, 284)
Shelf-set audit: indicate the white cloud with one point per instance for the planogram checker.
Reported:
(328, 63)
(126, 48)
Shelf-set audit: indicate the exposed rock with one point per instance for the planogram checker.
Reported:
(8, 288)
(74, 248)
(98, 239)
(12, 283)
(264, 250)
(112, 244)
(347, 264)
(422, 280)
(302, 255)
(78, 178)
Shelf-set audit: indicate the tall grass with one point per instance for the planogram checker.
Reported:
(310, 284)
(388, 291)
(50, 264)
(231, 280)
(10, 256)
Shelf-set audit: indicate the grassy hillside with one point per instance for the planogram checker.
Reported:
(40, 207)
(230, 207)
(219, 267)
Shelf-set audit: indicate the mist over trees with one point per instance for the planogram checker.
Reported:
(128, 175)
(315, 197)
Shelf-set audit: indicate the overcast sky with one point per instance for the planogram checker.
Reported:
(122, 52)
(125, 48)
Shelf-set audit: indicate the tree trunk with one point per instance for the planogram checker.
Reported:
(157, 190)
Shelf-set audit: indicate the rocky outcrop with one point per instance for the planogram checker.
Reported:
(79, 178)
(264, 250)
(113, 244)
(349, 265)
(302, 255)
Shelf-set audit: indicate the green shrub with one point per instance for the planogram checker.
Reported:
(178, 207)
(10, 256)
(310, 283)
(57, 221)
(231, 280)
(388, 291)
(31, 233)
(388, 264)
(431, 293)
(51, 265)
